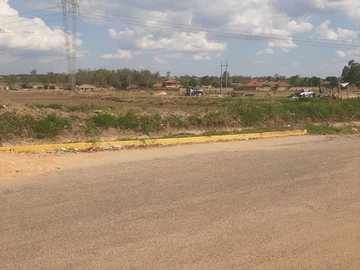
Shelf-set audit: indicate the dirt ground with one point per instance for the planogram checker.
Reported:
(17, 165)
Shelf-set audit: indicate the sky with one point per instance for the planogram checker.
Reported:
(255, 37)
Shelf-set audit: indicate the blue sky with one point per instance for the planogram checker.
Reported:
(256, 37)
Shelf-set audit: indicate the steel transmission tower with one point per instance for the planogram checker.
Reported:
(70, 45)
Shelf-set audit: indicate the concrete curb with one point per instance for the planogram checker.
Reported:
(153, 142)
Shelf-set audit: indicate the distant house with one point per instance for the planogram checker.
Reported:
(172, 84)
(86, 87)
(158, 85)
(256, 85)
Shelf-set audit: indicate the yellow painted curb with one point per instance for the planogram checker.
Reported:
(152, 142)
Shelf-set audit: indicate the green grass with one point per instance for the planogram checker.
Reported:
(51, 106)
(255, 115)
(50, 126)
(12, 125)
(88, 108)
(329, 130)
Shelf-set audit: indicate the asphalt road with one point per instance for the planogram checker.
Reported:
(289, 203)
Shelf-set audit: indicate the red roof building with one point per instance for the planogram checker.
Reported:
(257, 84)
(158, 85)
(172, 84)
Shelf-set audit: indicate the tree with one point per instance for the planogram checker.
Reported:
(334, 82)
(315, 81)
(193, 82)
(215, 81)
(295, 81)
(351, 73)
(205, 81)
(33, 72)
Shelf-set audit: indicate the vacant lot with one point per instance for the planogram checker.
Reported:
(33, 116)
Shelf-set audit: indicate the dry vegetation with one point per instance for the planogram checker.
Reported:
(60, 116)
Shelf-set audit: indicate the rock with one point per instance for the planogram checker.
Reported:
(354, 129)
(3, 107)
(98, 111)
(118, 147)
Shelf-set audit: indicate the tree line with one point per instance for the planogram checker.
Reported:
(123, 78)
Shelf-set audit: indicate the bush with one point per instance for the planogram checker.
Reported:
(50, 126)
(129, 121)
(12, 125)
(105, 121)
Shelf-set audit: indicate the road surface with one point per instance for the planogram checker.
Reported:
(290, 203)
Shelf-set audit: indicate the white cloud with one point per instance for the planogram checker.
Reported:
(297, 27)
(201, 56)
(177, 42)
(194, 26)
(159, 60)
(265, 51)
(21, 33)
(341, 53)
(323, 31)
(120, 54)
(297, 8)
(127, 33)
(285, 44)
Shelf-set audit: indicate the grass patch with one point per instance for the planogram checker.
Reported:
(329, 130)
(88, 108)
(179, 135)
(50, 126)
(12, 125)
(51, 106)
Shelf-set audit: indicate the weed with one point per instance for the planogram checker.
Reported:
(12, 125)
(129, 121)
(175, 121)
(50, 126)
(104, 121)
(328, 130)
(51, 106)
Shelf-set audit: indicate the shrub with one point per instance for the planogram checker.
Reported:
(50, 126)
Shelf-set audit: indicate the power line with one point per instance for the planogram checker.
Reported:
(32, 24)
(30, 12)
(224, 32)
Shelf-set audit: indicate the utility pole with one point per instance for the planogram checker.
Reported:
(221, 77)
(224, 64)
(70, 45)
(226, 77)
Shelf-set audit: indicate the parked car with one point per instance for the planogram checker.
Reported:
(307, 93)
(194, 91)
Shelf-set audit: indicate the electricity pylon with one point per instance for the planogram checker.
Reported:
(70, 45)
